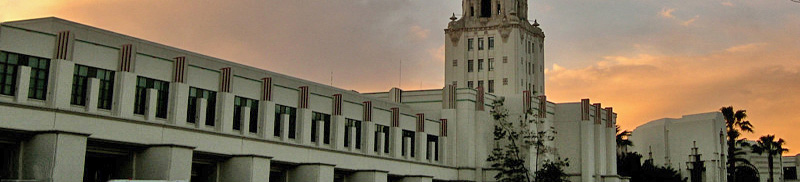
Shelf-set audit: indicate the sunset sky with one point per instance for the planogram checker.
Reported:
(648, 59)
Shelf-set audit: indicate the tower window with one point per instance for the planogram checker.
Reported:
(491, 64)
(480, 83)
(469, 65)
(498, 8)
(455, 63)
(469, 84)
(471, 11)
(505, 81)
(480, 43)
(469, 45)
(480, 65)
(491, 86)
(486, 8)
(491, 43)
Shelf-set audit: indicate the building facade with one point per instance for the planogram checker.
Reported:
(79, 103)
(670, 142)
(791, 167)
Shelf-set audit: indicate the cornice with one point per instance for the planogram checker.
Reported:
(496, 27)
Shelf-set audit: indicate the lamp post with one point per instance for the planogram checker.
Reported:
(695, 165)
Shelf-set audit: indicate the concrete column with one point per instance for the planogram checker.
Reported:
(320, 133)
(152, 104)
(396, 141)
(417, 179)
(421, 147)
(338, 131)
(285, 127)
(92, 94)
(407, 150)
(225, 110)
(200, 113)
(266, 118)
(60, 83)
(368, 137)
(443, 158)
(178, 103)
(315, 172)
(611, 151)
(600, 150)
(124, 94)
(352, 141)
(369, 176)
(245, 168)
(587, 151)
(382, 144)
(245, 113)
(431, 152)
(54, 156)
(304, 120)
(23, 84)
(164, 162)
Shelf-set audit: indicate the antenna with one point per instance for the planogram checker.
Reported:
(331, 78)
(400, 77)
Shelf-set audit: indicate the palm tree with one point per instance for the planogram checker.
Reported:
(733, 124)
(622, 140)
(768, 145)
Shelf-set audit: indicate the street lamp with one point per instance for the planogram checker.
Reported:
(695, 164)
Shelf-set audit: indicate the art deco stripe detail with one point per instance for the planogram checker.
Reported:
(126, 57)
(304, 97)
(451, 96)
(610, 122)
(542, 106)
(225, 79)
(337, 104)
(395, 117)
(598, 113)
(526, 100)
(443, 128)
(585, 109)
(63, 45)
(179, 70)
(266, 88)
(480, 101)
(367, 111)
(420, 122)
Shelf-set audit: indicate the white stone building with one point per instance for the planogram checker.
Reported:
(791, 167)
(669, 141)
(78, 103)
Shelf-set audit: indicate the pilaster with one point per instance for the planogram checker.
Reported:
(164, 162)
(368, 130)
(417, 179)
(338, 132)
(60, 83)
(225, 110)
(396, 141)
(421, 148)
(285, 127)
(320, 133)
(92, 94)
(200, 113)
(267, 118)
(124, 94)
(178, 103)
(304, 120)
(245, 168)
(245, 127)
(152, 105)
(370, 176)
(316, 172)
(23, 84)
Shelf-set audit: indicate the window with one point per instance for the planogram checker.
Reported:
(80, 83)
(435, 152)
(471, 11)
(40, 68)
(211, 105)
(491, 43)
(326, 130)
(455, 63)
(238, 104)
(351, 123)
(469, 65)
(480, 43)
(408, 135)
(292, 112)
(505, 59)
(505, 81)
(790, 173)
(140, 104)
(382, 130)
(469, 84)
(491, 64)
(486, 8)
(498, 8)
(491, 86)
(480, 83)
(469, 45)
(480, 65)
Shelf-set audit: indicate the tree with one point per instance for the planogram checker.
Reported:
(767, 144)
(630, 164)
(513, 138)
(734, 124)
(622, 140)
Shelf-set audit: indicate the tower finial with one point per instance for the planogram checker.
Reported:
(535, 24)
(453, 18)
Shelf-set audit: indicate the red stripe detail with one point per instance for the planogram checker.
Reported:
(266, 89)
(420, 122)
(367, 111)
(443, 128)
(395, 117)
(304, 97)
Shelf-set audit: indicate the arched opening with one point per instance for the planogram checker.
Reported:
(486, 8)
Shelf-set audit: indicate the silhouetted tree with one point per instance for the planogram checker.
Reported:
(622, 140)
(734, 125)
(767, 144)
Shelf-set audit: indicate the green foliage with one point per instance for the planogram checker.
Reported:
(553, 171)
(513, 139)
(629, 164)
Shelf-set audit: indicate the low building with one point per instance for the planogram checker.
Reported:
(670, 142)
(791, 167)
